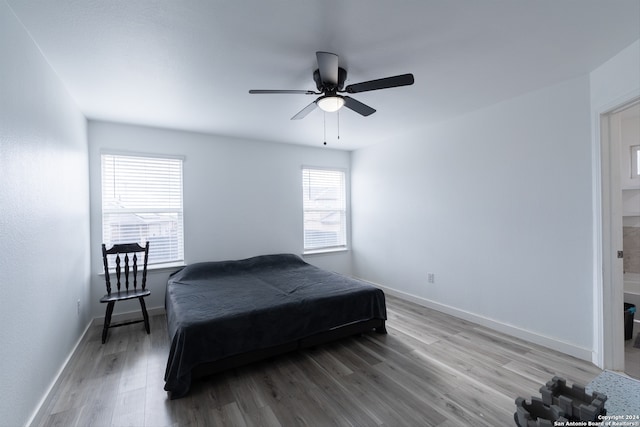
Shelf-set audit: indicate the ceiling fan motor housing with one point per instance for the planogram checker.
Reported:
(322, 87)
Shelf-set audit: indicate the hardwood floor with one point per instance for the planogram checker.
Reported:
(431, 369)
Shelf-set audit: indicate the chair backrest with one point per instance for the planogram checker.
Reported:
(126, 249)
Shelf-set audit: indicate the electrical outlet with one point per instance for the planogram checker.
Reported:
(431, 277)
(78, 307)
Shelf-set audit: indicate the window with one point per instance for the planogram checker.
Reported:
(325, 209)
(635, 161)
(142, 201)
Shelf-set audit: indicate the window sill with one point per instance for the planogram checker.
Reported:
(167, 266)
(324, 251)
(154, 268)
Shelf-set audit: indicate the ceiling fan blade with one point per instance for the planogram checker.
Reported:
(306, 110)
(328, 68)
(269, 91)
(358, 106)
(385, 83)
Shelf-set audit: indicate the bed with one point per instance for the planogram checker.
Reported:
(224, 314)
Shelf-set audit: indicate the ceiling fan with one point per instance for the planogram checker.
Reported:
(330, 78)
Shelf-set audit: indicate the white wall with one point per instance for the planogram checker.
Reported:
(44, 223)
(241, 198)
(617, 80)
(497, 204)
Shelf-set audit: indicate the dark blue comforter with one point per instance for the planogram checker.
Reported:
(220, 309)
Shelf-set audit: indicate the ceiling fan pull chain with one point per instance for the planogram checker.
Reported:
(338, 125)
(324, 120)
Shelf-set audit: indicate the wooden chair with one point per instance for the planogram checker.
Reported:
(130, 252)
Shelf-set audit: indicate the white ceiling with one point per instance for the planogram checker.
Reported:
(189, 64)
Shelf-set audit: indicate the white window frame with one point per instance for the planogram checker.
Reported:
(337, 216)
(159, 220)
(635, 161)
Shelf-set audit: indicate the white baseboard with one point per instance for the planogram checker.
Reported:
(545, 341)
(57, 376)
(97, 321)
(129, 315)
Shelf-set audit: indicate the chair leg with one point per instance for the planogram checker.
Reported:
(107, 320)
(144, 313)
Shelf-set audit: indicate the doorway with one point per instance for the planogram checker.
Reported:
(613, 160)
(629, 124)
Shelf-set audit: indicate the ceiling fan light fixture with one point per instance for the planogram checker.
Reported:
(330, 103)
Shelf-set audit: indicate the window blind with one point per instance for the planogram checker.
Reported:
(325, 209)
(142, 201)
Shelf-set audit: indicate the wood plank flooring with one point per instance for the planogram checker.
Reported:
(431, 369)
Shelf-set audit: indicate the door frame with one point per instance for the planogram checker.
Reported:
(608, 271)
